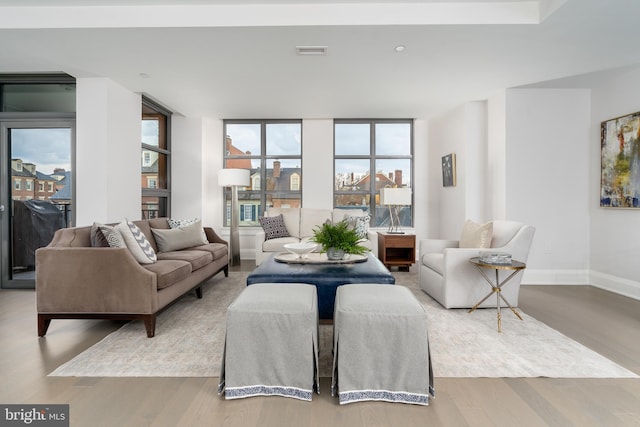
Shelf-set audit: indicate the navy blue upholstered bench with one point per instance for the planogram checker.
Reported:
(326, 277)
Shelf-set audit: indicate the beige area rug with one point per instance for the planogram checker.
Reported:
(190, 336)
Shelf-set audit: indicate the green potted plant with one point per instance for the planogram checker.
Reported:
(337, 240)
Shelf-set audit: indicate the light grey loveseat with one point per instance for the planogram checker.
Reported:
(300, 223)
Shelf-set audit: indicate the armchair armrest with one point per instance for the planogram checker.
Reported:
(457, 268)
(427, 246)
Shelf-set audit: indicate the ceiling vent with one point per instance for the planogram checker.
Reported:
(311, 50)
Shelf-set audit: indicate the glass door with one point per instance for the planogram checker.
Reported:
(36, 193)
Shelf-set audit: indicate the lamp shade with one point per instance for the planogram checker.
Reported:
(232, 177)
(399, 196)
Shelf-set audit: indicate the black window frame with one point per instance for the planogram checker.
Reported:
(262, 194)
(163, 194)
(374, 193)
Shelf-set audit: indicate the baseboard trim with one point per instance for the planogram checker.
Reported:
(555, 277)
(608, 282)
(619, 285)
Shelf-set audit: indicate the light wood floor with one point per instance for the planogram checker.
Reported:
(605, 322)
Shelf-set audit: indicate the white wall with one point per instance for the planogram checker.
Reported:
(495, 175)
(521, 156)
(547, 175)
(463, 132)
(317, 164)
(212, 160)
(425, 209)
(475, 160)
(187, 164)
(108, 157)
(615, 233)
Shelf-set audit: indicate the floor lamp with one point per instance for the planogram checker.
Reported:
(234, 178)
(394, 197)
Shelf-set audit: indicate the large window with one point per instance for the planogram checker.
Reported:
(370, 155)
(272, 151)
(156, 155)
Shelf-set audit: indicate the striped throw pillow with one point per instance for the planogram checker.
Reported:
(137, 242)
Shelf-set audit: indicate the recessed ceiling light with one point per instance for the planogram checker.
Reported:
(399, 48)
(144, 75)
(311, 50)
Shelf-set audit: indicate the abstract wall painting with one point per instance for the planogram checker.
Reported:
(620, 162)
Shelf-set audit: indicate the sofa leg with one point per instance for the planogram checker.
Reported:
(150, 325)
(43, 324)
(199, 292)
(226, 270)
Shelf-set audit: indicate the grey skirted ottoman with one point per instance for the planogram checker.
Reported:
(381, 346)
(271, 343)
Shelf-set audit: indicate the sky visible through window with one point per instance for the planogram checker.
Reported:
(48, 148)
(353, 139)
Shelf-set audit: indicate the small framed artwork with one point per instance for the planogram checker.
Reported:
(449, 170)
(620, 162)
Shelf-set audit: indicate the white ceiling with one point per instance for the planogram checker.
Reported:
(237, 59)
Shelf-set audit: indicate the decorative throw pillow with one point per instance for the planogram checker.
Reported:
(112, 236)
(360, 224)
(476, 235)
(273, 227)
(175, 239)
(137, 242)
(177, 223)
(97, 237)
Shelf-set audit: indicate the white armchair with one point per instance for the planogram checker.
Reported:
(447, 275)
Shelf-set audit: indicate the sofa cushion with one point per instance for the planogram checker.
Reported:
(136, 242)
(291, 217)
(312, 218)
(169, 271)
(434, 261)
(359, 223)
(112, 235)
(476, 235)
(178, 238)
(273, 227)
(143, 225)
(197, 259)
(277, 245)
(98, 240)
(161, 223)
(217, 250)
(177, 223)
(366, 243)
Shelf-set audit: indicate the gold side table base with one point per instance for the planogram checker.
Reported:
(496, 287)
